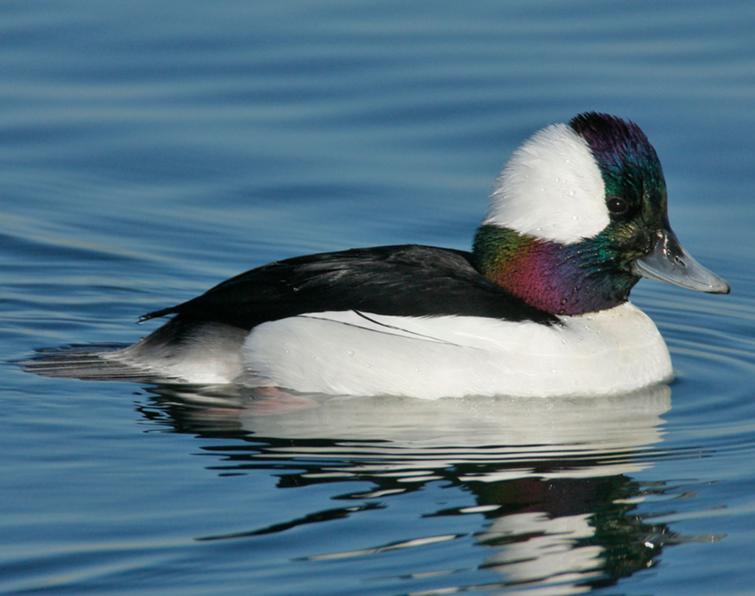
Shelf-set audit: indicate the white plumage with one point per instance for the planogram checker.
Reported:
(607, 352)
(603, 353)
(551, 188)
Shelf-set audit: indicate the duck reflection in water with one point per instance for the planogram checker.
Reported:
(552, 479)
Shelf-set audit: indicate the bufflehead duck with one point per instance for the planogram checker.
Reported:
(540, 307)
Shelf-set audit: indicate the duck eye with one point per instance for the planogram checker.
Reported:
(617, 205)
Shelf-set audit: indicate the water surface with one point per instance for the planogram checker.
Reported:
(149, 151)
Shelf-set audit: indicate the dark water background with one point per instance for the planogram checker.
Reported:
(149, 150)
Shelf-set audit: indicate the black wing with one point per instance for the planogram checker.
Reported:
(407, 280)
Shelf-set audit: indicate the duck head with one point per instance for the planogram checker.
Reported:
(578, 215)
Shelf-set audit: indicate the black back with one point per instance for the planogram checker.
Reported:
(406, 280)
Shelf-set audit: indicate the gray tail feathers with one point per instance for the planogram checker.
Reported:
(89, 362)
(160, 356)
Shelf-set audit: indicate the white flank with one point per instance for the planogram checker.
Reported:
(608, 352)
(551, 188)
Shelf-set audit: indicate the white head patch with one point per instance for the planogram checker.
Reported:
(551, 188)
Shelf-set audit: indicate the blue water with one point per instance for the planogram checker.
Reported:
(149, 150)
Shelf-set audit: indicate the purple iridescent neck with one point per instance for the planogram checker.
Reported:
(562, 279)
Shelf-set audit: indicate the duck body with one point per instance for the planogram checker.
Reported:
(539, 307)
(400, 320)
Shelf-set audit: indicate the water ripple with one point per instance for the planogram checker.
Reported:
(150, 150)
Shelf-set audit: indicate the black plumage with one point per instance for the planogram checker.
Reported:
(405, 280)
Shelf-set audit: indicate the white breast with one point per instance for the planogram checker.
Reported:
(609, 352)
